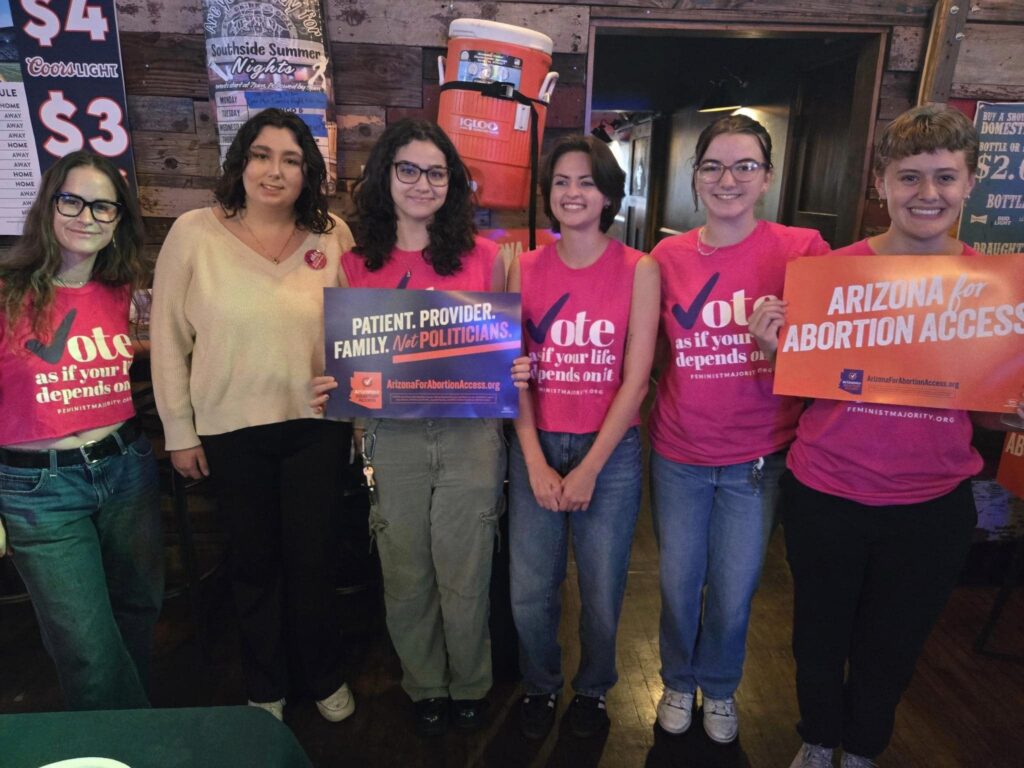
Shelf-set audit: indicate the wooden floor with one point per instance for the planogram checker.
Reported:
(962, 710)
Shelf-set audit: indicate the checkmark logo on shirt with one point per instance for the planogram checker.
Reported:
(54, 351)
(539, 332)
(687, 317)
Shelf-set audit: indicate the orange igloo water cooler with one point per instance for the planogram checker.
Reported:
(495, 82)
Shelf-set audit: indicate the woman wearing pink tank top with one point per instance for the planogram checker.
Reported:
(877, 505)
(718, 434)
(590, 318)
(79, 492)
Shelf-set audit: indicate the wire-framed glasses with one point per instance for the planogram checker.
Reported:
(104, 211)
(711, 171)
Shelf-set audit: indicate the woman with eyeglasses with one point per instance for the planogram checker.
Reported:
(718, 434)
(439, 481)
(237, 333)
(78, 482)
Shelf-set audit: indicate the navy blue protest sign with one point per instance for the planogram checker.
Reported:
(71, 62)
(993, 217)
(415, 354)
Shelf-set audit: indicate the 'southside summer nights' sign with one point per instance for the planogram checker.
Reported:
(414, 354)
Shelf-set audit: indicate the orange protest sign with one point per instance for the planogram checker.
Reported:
(1011, 464)
(933, 331)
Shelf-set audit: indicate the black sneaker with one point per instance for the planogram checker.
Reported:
(587, 716)
(537, 714)
(468, 714)
(431, 716)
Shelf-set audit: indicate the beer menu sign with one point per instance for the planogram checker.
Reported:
(61, 90)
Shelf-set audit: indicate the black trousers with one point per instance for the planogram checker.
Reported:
(869, 584)
(278, 487)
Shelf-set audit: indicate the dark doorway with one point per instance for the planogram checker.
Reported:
(815, 91)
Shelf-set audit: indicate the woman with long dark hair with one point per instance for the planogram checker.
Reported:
(439, 480)
(237, 329)
(78, 482)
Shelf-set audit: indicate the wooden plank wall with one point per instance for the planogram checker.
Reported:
(385, 53)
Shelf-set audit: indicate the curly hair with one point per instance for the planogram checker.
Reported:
(927, 128)
(311, 212)
(731, 124)
(376, 229)
(28, 270)
(604, 168)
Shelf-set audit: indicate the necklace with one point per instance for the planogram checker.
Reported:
(264, 251)
(70, 283)
(701, 244)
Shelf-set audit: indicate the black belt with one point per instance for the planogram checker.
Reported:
(89, 453)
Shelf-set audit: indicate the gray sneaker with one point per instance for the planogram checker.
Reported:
(856, 761)
(812, 756)
(721, 722)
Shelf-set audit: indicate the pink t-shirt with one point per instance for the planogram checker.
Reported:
(882, 454)
(76, 381)
(408, 269)
(714, 405)
(575, 323)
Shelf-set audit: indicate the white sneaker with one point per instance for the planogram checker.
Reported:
(856, 761)
(812, 756)
(675, 710)
(276, 708)
(338, 705)
(721, 723)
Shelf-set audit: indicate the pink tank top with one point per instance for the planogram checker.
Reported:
(408, 269)
(74, 380)
(575, 323)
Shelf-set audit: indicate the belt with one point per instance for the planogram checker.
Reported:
(89, 453)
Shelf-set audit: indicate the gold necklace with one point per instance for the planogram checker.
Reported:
(701, 242)
(264, 251)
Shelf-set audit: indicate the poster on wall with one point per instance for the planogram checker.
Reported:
(993, 217)
(415, 354)
(271, 54)
(932, 331)
(61, 90)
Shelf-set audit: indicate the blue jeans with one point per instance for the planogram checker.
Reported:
(86, 541)
(601, 540)
(712, 525)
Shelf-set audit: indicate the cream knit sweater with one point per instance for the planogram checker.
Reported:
(236, 338)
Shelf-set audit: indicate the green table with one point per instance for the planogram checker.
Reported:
(203, 737)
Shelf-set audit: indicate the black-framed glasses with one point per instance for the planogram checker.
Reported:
(711, 171)
(104, 211)
(409, 173)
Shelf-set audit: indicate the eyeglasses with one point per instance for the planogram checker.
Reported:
(104, 211)
(711, 171)
(409, 173)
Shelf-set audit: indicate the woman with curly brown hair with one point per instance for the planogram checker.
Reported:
(78, 482)
(439, 480)
(237, 330)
